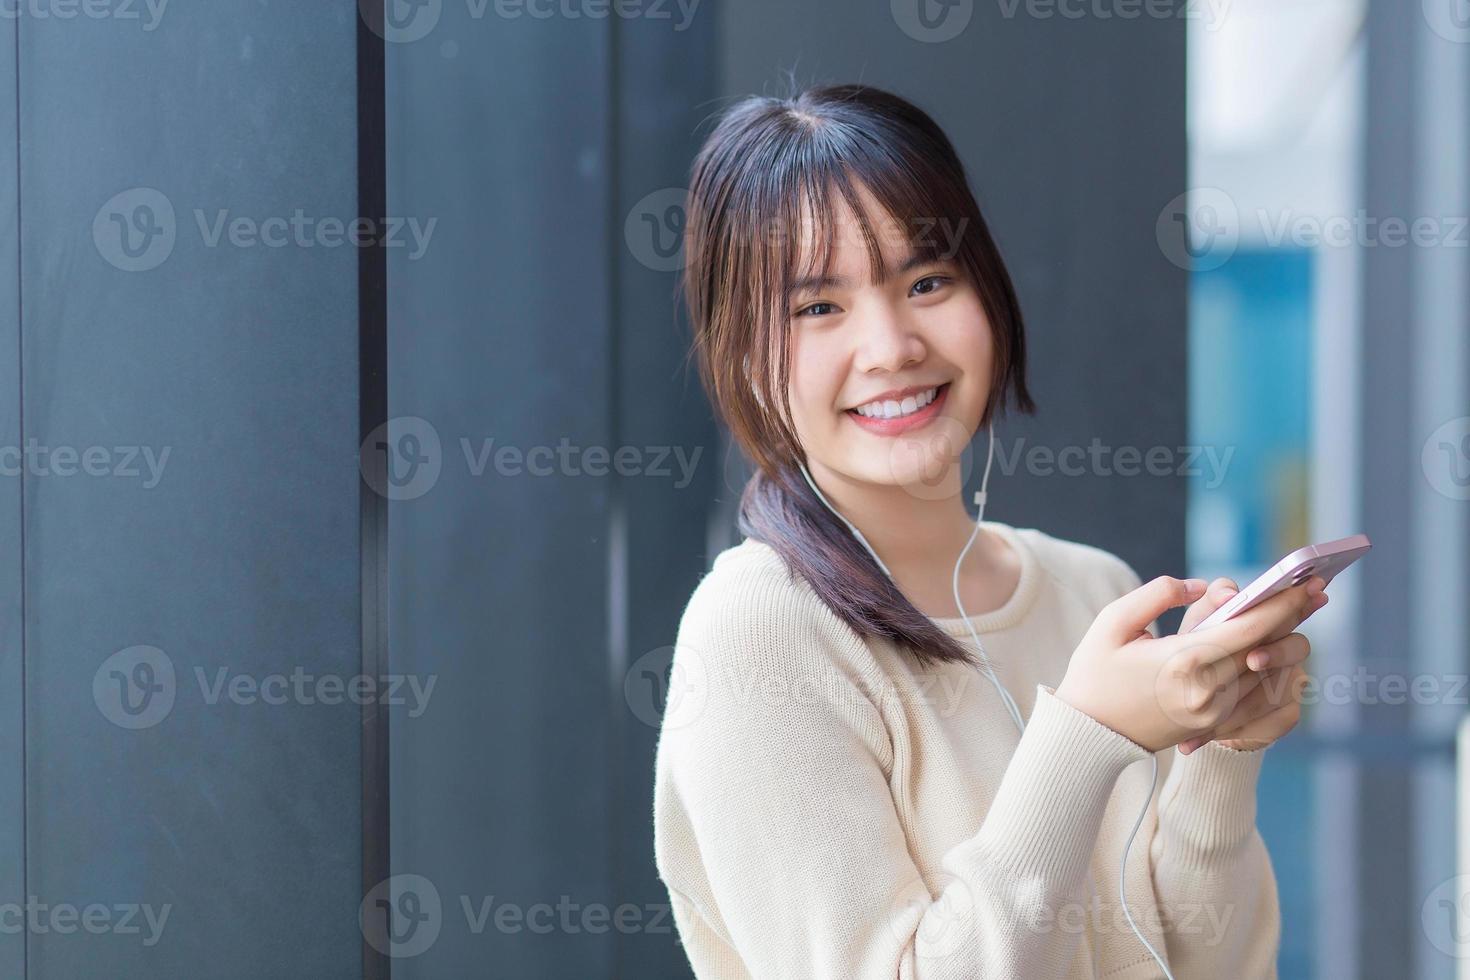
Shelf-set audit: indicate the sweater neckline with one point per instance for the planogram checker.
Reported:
(1014, 609)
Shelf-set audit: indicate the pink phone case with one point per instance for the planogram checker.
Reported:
(1324, 560)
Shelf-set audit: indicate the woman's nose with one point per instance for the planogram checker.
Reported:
(888, 341)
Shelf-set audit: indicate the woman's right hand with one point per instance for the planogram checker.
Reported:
(1160, 691)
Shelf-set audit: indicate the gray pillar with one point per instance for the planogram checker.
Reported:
(149, 580)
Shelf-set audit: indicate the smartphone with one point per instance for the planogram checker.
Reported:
(1324, 560)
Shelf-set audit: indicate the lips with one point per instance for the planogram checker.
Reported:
(900, 411)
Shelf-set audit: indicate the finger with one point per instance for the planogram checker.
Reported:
(1209, 648)
(1285, 705)
(1266, 698)
(1286, 629)
(1200, 694)
(1221, 591)
(1291, 649)
(1278, 689)
(1239, 662)
(1314, 597)
(1278, 615)
(1222, 665)
(1129, 616)
(1317, 601)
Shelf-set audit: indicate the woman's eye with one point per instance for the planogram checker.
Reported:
(936, 280)
(925, 286)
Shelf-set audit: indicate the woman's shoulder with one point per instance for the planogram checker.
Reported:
(751, 598)
(1093, 572)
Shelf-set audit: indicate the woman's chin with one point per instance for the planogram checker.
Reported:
(933, 482)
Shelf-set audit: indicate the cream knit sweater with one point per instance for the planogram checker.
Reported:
(824, 809)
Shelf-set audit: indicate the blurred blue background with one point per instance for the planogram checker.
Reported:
(1328, 350)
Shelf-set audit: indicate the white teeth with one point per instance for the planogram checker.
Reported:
(893, 409)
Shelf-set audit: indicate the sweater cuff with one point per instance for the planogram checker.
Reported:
(1045, 817)
(1208, 804)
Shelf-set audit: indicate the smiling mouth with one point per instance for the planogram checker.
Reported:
(891, 417)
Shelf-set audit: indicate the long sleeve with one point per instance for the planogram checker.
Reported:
(789, 844)
(1212, 874)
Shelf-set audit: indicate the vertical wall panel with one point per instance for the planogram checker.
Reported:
(499, 342)
(667, 74)
(1385, 813)
(12, 721)
(235, 556)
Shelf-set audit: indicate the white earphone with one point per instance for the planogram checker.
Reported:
(1005, 696)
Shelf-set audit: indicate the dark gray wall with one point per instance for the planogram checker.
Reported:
(528, 323)
(240, 362)
(500, 331)
(666, 86)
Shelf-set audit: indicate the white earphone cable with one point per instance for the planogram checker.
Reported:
(1123, 864)
(1005, 696)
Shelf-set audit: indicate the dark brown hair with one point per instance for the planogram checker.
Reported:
(768, 160)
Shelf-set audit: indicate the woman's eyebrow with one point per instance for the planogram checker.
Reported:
(814, 283)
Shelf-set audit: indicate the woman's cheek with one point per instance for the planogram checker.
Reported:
(819, 412)
(815, 387)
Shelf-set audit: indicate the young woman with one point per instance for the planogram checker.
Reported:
(901, 742)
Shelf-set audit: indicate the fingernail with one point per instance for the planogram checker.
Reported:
(1257, 660)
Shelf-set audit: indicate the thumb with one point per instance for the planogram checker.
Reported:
(1129, 616)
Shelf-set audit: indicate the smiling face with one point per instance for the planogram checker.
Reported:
(889, 380)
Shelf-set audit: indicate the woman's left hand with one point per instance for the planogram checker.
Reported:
(1273, 706)
(1264, 715)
